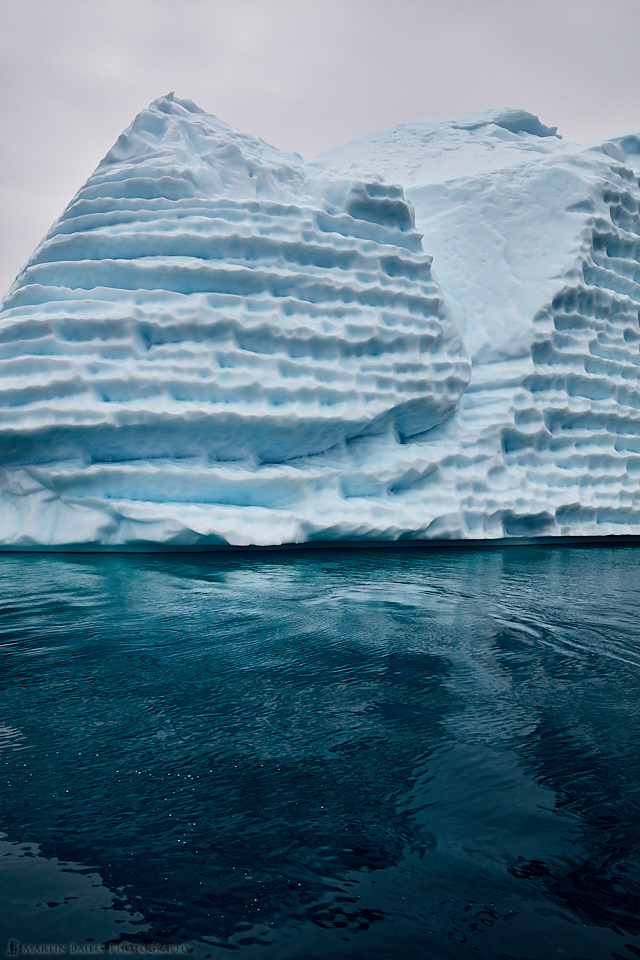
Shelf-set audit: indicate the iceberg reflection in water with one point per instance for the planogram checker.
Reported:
(331, 754)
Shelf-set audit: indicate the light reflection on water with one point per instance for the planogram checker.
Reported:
(348, 754)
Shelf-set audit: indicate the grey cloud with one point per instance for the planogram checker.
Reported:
(302, 74)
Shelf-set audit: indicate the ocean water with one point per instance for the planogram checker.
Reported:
(368, 754)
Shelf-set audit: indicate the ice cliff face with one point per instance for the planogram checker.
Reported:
(538, 244)
(217, 343)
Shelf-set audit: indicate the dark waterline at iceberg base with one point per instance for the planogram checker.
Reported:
(371, 755)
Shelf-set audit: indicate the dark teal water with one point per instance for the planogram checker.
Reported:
(340, 755)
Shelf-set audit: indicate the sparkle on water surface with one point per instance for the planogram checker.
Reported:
(339, 754)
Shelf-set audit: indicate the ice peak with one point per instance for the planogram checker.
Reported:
(176, 137)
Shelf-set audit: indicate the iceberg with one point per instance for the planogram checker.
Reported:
(220, 344)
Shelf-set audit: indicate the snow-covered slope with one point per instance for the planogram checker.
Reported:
(217, 343)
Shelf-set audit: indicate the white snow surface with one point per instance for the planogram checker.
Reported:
(217, 343)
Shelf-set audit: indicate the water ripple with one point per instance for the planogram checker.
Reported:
(349, 754)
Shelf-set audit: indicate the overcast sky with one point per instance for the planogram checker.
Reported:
(302, 74)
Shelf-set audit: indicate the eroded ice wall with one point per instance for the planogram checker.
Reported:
(201, 337)
(537, 244)
(217, 343)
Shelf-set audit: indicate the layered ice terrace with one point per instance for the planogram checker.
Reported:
(217, 343)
